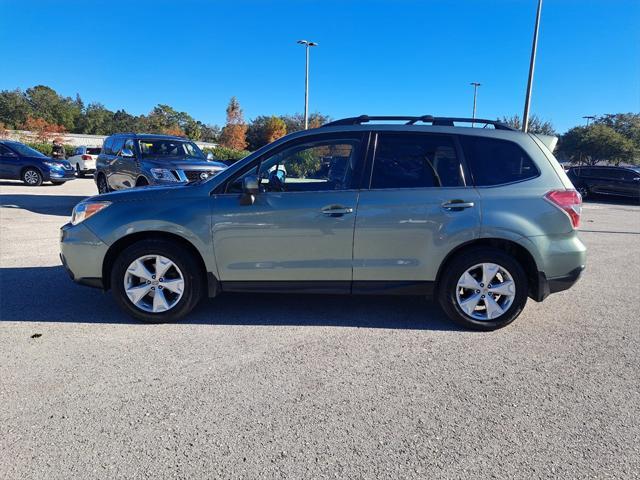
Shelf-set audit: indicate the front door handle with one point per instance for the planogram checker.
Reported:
(336, 210)
(457, 205)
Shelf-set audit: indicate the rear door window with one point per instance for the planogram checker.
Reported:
(497, 162)
(416, 161)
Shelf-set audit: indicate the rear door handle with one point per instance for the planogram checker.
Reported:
(457, 205)
(336, 210)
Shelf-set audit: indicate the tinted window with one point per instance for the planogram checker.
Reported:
(5, 151)
(106, 146)
(93, 150)
(118, 143)
(169, 148)
(415, 161)
(495, 162)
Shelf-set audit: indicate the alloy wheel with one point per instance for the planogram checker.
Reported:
(31, 177)
(154, 283)
(485, 291)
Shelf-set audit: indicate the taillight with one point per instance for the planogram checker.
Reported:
(87, 157)
(569, 201)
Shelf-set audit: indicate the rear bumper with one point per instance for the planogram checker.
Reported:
(547, 286)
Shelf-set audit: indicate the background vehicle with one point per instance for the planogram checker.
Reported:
(620, 181)
(479, 218)
(21, 162)
(84, 159)
(132, 160)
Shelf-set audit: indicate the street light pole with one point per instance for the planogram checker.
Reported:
(589, 117)
(307, 44)
(475, 97)
(532, 64)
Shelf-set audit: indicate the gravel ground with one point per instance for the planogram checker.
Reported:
(266, 386)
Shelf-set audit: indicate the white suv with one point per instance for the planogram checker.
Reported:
(84, 160)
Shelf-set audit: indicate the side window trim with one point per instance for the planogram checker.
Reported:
(373, 147)
(474, 181)
(358, 136)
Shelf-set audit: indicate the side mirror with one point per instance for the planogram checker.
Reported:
(210, 157)
(250, 187)
(127, 153)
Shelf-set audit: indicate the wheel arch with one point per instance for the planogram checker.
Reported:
(34, 167)
(516, 250)
(122, 243)
(142, 178)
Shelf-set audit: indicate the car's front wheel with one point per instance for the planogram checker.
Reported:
(103, 186)
(483, 289)
(157, 281)
(32, 177)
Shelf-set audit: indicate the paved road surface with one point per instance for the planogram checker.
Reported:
(267, 386)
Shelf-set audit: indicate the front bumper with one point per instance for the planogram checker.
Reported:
(82, 254)
(61, 175)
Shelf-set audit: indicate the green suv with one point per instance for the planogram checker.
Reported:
(479, 218)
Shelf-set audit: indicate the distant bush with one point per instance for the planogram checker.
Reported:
(47, 148)
(227, 155)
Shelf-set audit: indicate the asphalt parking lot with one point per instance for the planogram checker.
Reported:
(267, 386)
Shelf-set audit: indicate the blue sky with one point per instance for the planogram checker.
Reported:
(375, 57)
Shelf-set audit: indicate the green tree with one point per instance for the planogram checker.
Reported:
(597, 143)
(295, 123)
(536, 124)
(626, 124)
(95, 120)
(14, 108)
(265, 129)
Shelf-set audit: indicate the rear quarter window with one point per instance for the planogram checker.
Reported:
(497, 162)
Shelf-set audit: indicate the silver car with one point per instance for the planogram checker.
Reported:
(481, 219)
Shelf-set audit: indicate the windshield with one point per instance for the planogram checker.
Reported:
(25, 151)
(169, 148)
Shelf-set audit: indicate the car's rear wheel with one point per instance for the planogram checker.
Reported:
(103, 186)
(32, 177)
(157, 281)
(79, 173)
(483, 289)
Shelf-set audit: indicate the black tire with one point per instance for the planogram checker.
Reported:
(103, 186)
(57, 183)
(79, 173)
(584, 191)
(32, 177)
(194, 282)
(448, 284)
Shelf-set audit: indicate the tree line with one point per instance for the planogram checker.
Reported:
(613, 138)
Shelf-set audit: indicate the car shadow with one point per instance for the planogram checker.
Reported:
(46, 294)
(59, 205)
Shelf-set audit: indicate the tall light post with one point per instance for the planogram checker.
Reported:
(307, 45)
(588, 118)
(475, 97)
(532, 64)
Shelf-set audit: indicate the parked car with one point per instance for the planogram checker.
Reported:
(84, 160)
(620, 181)
(479, 218)
(21, 162)
(132, 160)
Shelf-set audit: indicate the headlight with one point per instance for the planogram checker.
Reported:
(84, 210)
(52, 164)
(163, 174)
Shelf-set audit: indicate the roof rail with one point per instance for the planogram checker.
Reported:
(411, 120)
